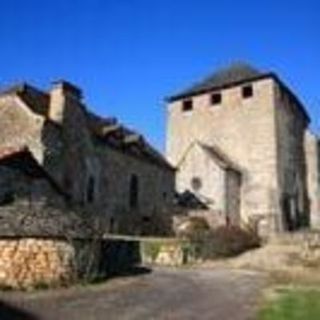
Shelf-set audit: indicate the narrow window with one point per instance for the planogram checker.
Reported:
(196, 183)
(247, 91)
(187, 105)
(90, 190)
(134, 191)
(111, 225)
(216, 98)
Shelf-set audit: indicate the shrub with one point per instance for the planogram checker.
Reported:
(224, 241)
(151, 250)
(194, 227)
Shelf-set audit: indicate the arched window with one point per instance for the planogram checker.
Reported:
(90, 190)
(134, 191)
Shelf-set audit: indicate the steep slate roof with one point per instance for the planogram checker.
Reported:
(110, 132)
(233, 75)
(22, 159)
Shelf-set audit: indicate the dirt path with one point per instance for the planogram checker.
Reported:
(165, 294)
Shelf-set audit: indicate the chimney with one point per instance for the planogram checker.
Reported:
(62, 94)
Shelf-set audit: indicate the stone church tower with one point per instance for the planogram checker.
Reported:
(251, 127)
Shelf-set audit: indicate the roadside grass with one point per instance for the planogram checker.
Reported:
(292, 304)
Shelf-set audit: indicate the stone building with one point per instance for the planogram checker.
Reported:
(56, 154)
(67, 177)
(240, 134)
(313, 179)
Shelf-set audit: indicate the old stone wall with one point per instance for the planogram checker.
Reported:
(133, 192)
(35, 262)
(79, 162)
(291, 161)
(26, 263)
(198, 173)
(17, 188)
(154, 194)
(233, 200)
(20, 127)
(244, 129)
(313, 177)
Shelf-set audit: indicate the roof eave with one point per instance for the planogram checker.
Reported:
(217, 88)
(271, 75)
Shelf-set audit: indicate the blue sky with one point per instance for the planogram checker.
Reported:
(128, 55)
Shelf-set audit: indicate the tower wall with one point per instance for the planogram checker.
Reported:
(245, 129)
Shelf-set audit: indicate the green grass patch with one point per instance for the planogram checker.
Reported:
(292, 304)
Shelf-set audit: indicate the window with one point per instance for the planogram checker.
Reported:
(111, 225)
(247, 91)
(187, 105)
(90, 190)
(216, 98)
(134, 191)
(196, 183)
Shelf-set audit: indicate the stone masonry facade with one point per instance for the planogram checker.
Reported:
(67, 179)
(54, 151)
(28, 262)
(260, 125)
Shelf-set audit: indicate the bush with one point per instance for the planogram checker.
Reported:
(224, 241)
(194, 227)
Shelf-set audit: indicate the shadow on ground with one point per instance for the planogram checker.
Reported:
(121, 258)
(134, 271)
(10, 312)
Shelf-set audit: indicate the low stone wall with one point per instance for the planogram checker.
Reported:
(29, 262)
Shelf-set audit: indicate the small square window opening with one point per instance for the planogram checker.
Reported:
(216, 98)
(187, 105)
(247, 92)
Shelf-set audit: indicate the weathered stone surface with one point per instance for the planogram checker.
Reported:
(313, 166)
(76, 160)
(27, 263)
(263, 134)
